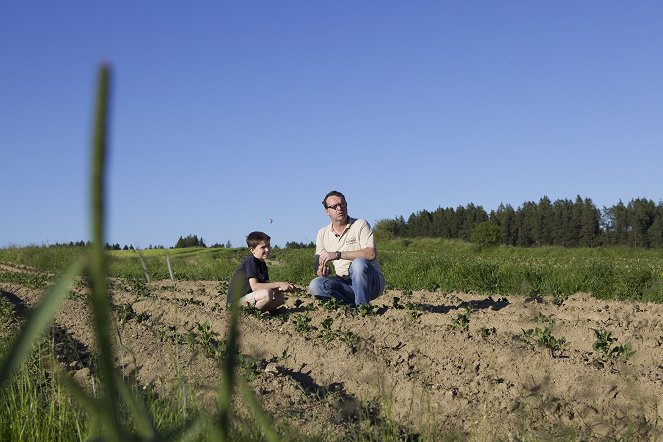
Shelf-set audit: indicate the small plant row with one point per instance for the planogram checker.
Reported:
(31, 280)
(603, 345)
(544, 338)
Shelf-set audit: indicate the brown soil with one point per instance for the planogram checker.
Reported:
(411, 368)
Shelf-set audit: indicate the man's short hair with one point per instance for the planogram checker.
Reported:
(332, 193)
(255, 238)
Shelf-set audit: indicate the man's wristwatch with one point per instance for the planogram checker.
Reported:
(338, 255)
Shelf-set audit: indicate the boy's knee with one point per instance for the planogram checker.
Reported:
(262, 295)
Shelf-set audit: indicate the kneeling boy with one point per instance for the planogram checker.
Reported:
(251, 279)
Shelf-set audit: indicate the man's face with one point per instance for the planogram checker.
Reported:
(337, 208)
(261, 251)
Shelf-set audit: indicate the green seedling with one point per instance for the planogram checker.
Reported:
(212, 347)
(332, 304)
(544, 338)
(603, 346)
(142, 317)
(190, 338)
(125, 312)
(540, 317)
(559, 298)
(192, 301)
(327, 334)
(366, 310)
(485, 332)
(462, 322)
(302, 323)
(222, 289)
(413, 309)
(205, 331)
(350, 339)
(251, 310)
(283, 316)
(138, 286)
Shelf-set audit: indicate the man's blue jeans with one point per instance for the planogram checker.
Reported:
(364, 284)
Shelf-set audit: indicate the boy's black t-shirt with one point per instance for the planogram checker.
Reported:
(251, 267)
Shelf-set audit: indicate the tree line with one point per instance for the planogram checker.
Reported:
(564, 222)
(182, 242)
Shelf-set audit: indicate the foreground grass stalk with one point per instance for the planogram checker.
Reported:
(228, 381)
(260, 416)
(100, 304)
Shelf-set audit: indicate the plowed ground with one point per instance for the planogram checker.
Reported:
(410, 364)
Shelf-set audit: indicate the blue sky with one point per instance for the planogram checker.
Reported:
(228, 114)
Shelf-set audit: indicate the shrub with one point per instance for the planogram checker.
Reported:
(486, 234)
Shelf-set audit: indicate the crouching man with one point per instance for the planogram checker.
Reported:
(347, 243)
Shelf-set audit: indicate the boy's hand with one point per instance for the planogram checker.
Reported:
(285, 287)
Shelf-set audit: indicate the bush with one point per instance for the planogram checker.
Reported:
(190, 241)
(486, 234)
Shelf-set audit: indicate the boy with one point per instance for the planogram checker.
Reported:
(251, 279)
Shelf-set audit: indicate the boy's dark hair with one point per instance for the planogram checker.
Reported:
(255, 238)
(332, 193)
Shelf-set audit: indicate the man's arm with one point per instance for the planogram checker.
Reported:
(320, 263)
(368, 253)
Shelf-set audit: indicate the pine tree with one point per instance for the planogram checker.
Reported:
(641, 213)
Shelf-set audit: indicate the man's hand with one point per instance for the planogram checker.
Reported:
(323, 270)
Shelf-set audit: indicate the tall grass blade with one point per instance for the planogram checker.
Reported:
(38, 321)
(143, 265)
(228, 380)
(144, 424)
(170, 268)
(98, 265)
(260, 416)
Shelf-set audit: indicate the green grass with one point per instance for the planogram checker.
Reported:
(607, 273)
(38, 406)
(422, 264)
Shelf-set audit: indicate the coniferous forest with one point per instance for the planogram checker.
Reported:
(564, 223)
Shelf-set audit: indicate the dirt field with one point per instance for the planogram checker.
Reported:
(410, 363)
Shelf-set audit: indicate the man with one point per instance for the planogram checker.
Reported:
(349, 245)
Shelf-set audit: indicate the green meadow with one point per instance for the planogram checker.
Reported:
(420, 264)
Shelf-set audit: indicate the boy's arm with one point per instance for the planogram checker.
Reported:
(283, 286)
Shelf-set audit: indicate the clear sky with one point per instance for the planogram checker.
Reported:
(228, 114)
